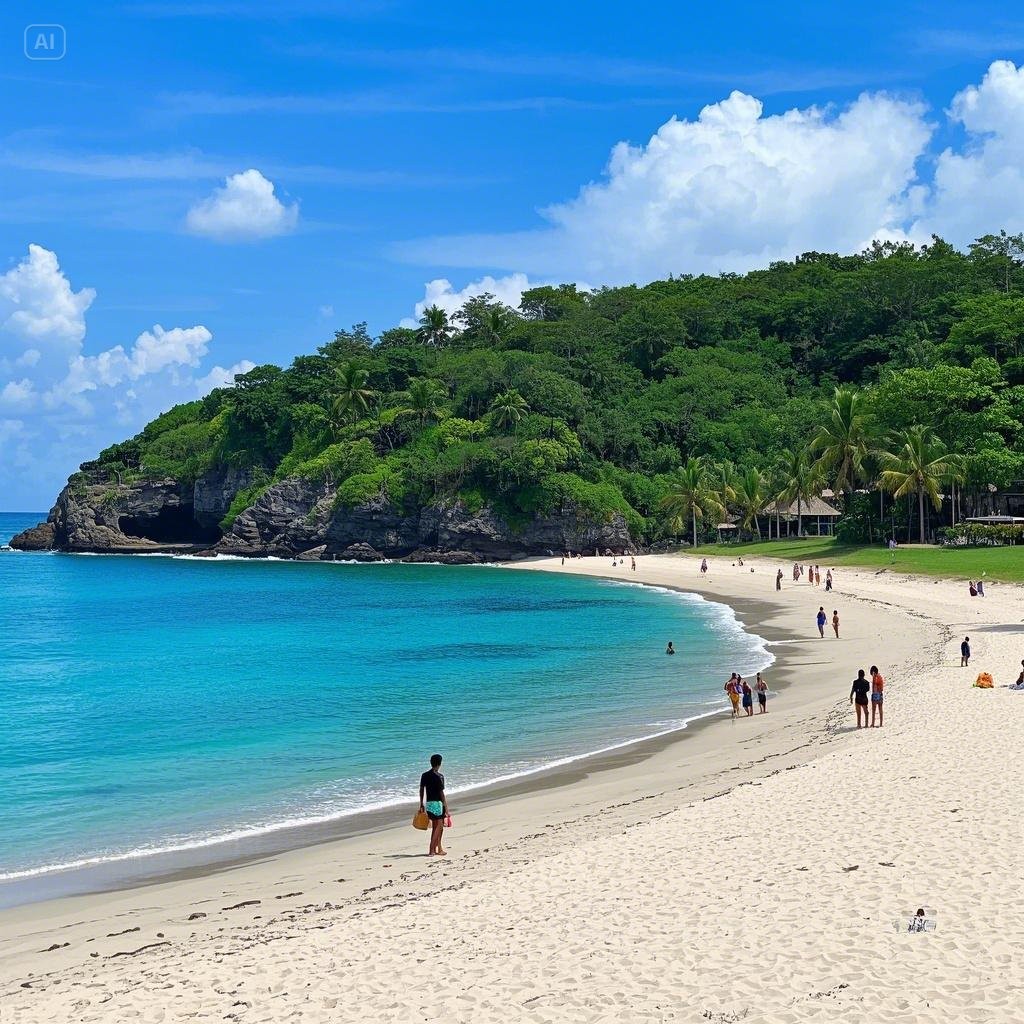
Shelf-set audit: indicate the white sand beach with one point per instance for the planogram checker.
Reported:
(746, 871)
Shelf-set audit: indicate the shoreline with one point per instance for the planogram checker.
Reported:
(523, 902)
(134, 870)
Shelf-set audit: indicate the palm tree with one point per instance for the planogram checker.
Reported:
(691, 496)
(726, 480)
(918, 463)
(844, 441)
(508, 409)
(353, 397)
(435, 327)
(495, 324)
(752, 495)
(800, 482)
(425, 398)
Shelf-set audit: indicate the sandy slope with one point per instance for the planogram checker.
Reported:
(749, 872)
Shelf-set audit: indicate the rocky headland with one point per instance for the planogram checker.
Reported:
(302, 519)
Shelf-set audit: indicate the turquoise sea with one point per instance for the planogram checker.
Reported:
(169, 704)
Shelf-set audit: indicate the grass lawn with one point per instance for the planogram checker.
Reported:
(1003, 563)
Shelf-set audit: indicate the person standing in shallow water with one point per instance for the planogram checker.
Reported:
(435, 803)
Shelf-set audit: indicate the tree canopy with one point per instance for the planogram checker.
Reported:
(812, 372)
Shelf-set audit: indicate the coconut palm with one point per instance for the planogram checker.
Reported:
(352, 397)
(726, 480)
(495, 324)
(917, 462)
(751, 494)
(801, 479)
(424, 399)
(435, 327)
(691, 497)
(508, 409)
(844, 441)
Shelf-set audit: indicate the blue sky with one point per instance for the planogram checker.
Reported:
(248, 180)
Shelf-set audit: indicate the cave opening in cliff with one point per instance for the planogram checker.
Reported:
(170, 525)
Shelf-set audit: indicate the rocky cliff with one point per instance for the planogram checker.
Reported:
(299, 518)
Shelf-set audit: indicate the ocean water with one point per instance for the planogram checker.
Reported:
(165, 703)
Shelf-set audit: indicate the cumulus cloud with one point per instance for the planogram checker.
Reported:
(60, 403)
(243, 210)
(980, 187)
(729, 190)
(152, 352)
(37, 301)
(221, 377)
(441, 292)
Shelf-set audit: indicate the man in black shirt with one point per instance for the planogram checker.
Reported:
(435, 803)
(965, 652)
(859, 693)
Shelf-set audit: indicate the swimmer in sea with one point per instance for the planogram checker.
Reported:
(670, 649)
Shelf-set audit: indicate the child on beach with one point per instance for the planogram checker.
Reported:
(821, 620)
(762, 694)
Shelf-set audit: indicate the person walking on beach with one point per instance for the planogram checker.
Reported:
(732, 688)
(817, 575)
(965, 652)
(828, 580)
(835, 623)
(435, 803)
(821, 620)
(632, 560)
(796, 573)
(859, 696)
(762, 694)
(877, 694)
(703, 566)
(778, 580)
(748, 697)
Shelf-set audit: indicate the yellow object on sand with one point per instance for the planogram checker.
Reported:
(984, 680)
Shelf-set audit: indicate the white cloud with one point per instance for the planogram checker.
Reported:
(981, 187)
(326, 311)
(37, 302)
(221, 377)
(244, 210)
(441, 292)
(730, 190)
(64, 404)
(17, 394)
(152, 352)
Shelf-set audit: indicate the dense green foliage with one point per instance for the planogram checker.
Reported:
(669, 403)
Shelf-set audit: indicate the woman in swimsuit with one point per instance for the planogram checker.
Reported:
(748, 697)
(877, 687)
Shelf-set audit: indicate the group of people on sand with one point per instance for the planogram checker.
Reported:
(821, 618)
(812, 572)
(976, 589)
(740, 692)
(863, 689)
